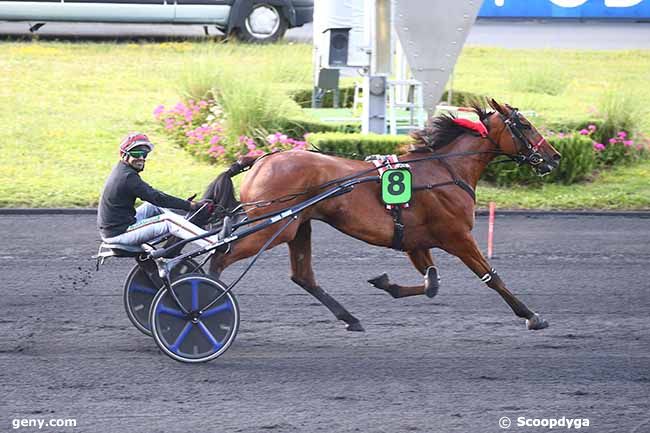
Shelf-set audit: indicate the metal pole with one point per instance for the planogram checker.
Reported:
(491, 230)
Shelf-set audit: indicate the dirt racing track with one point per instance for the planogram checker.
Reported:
(455, 363)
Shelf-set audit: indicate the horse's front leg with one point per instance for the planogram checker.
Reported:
(467, 250)
(423, 262)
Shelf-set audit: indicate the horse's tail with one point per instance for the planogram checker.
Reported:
(222, 191)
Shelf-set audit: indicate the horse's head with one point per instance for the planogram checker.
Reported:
(518, 138)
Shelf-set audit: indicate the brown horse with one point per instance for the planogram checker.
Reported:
(446, 163)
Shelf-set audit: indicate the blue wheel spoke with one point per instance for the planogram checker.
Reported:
(186, 330)
(170, 311)
(218, 309)
(195, 295)
(142, 289)
(209, 336)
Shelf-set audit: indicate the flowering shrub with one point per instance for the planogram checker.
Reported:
(194, 125)
(246, 146)
(615, 150)
(198, 126)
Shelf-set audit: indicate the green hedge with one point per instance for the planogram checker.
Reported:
(357, 146)
(298, 127)
(302, 95)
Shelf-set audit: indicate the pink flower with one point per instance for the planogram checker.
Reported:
(251, 146)
(612, 141)
(158, 111)
(584, 132)
(599, 147)
(628, 143)
(215, 139)
(561, 135)
(592, 128)
(217, 150)
(622, 134)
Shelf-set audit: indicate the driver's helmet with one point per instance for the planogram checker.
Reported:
(134, 140)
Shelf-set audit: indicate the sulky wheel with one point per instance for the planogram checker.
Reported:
(195, 337)
(139, 292)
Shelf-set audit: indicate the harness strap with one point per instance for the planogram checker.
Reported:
(398, 230)
(464, 186)
(459, 182)
(383, 163)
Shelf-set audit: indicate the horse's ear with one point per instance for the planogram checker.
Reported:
(494, 104)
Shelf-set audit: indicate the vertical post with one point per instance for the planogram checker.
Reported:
(450, 92)
(374, 105)
(382, 47)
(492, 207)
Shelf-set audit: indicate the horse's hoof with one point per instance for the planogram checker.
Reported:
(431, 282)
(383, 283)
(536, 322)
(380, 282)
(355, 327)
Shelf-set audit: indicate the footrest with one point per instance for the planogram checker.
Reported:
(118, 250)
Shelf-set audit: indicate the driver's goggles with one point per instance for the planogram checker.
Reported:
(138, 154)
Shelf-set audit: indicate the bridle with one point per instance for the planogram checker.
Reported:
(527, 152)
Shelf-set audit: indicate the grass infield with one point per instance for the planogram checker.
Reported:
(64, 107)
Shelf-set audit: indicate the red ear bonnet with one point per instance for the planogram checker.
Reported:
(478, 127)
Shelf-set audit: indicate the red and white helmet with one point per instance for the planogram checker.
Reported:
(134, 140)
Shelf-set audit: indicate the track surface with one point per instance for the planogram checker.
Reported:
(456, 363)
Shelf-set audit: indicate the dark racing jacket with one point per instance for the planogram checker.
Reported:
(116, 210)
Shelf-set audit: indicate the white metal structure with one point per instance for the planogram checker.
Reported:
(414, 104)
(429, 33)
(432, 34)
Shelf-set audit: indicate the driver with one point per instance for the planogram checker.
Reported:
(118, 220)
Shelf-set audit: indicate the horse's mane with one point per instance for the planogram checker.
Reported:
(442, 130)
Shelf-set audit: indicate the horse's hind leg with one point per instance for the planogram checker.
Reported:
(423, 262)
(303, 275)
(469, 253)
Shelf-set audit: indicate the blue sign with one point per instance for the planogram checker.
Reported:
(594, 9)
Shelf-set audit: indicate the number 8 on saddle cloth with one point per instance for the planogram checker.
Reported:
(396, 186)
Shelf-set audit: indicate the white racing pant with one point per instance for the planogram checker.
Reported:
(152, 222)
